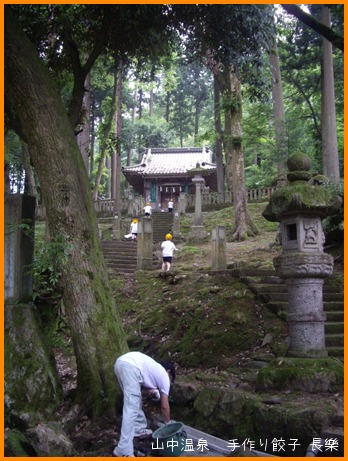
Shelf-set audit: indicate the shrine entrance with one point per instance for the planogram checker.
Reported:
(166, 192)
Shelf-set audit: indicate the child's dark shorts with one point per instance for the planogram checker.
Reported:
(167, 259)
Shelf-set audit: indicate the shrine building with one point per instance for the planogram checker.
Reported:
(163, 173)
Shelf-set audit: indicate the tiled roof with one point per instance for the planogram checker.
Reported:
(169, 161)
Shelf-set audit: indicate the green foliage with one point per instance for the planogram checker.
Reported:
(300, 50)
(234, 34)
(154, 132)
(189, 250)
(335, 222)
(293, 373)
(50, 260)
(258, 145)
(26, 226)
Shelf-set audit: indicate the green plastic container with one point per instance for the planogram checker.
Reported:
(171, 439)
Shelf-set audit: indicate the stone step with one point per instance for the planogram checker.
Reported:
(125, 262)
(118, 243)
(329, 307)
(114, 252)
(162, 223)
(333, 340)
(262, 280)
(334, 316)
(335, 351)
(122, 270)
(334, 327)
(328, 291)
(251, 272)
(333, 306)
(127, 251)
(329, 298)
(272, 290)
(121, 256)
(276, 284)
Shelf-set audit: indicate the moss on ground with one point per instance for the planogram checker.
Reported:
(311, 375)
(199, 319)
(225, 217)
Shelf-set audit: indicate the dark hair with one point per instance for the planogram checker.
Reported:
(169, 366)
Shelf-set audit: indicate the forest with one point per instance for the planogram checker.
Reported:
(89, 87)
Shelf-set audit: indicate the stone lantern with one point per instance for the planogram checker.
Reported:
(197, 228)
(299, 207)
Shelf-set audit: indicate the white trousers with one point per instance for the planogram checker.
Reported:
(133, 417)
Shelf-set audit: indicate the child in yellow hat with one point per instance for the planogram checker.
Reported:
(134, 229)
(168, 248)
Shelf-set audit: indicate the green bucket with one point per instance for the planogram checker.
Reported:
(171, 439)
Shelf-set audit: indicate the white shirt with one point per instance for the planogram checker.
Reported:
(134, 227)
(147, 209)
(168, 248)
(170, 204)
(153, 373)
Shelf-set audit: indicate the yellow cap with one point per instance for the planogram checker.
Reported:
(168, 237)
(147, 203)
(135, 220)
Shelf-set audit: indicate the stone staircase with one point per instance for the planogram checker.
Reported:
(271, 290)
(120, 255)
(162, 225)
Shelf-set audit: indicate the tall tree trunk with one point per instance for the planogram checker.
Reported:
(281, 138)
(167, 106)
(108, 184)
(106, 134)
(94, 321)
(181, 136)
(140, 115)
(151, 103)
(83, 138)
(28, 171)
(197, 113)
(131, 139)
(117, 197)
(218, 142)
(233, 137)
(328, 109)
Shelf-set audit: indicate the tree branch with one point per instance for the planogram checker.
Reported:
(336, 39)
(81, 71)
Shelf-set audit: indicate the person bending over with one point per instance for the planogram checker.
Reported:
(137, 372)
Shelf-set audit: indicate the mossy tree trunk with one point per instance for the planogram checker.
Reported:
(95, 325)
(31, 379)
(233, 138)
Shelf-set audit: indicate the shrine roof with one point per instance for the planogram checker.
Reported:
(171, 161)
